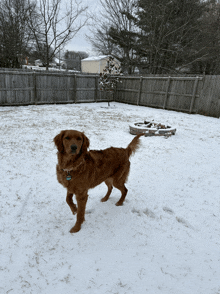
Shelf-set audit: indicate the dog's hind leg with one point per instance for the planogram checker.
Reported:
(69, 200)
(123, 190)
(108, 182)
(119, 182)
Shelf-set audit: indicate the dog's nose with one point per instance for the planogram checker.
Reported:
(73, 147)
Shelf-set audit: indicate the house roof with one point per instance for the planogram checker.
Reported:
(95, 58)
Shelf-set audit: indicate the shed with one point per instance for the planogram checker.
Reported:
(95, 64)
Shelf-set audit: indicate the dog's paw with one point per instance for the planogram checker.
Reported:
(104, 199)
(73, 208)
(75, 229)
(119, 203)
(74, 211)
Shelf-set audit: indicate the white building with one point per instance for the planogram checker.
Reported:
(95, 64)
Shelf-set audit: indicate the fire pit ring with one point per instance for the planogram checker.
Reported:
(150, 128)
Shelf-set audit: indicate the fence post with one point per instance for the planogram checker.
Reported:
(167, 92)
(75, 87)
(194, 94)
(96, 88)
(34, 99)
(140, 90)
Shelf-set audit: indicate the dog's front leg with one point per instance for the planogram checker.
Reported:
(69, 200)
(81, 203)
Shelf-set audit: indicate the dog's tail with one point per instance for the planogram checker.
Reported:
(134, 145)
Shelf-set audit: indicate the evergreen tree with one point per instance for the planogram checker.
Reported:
(207, 48)
(168, 33)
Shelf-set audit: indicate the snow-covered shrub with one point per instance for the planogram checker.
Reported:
(110, 77)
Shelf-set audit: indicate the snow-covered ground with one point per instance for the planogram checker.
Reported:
(164, 239)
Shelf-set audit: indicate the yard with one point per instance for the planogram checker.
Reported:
(164, 239)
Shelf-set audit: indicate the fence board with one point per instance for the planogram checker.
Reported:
(153, 92)
(167, 92)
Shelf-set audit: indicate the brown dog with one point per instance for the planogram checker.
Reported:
(79, 170)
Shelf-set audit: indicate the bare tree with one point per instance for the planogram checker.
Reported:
(101, 40)
(115, 31)
(53, 26)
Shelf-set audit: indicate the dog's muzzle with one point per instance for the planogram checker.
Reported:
(73, 148)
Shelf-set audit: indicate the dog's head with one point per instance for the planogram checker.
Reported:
(71, 142)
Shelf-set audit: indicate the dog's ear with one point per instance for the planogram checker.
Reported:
(58, 140)
(85, 145)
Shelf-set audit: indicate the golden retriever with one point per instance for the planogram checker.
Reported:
(79, 170)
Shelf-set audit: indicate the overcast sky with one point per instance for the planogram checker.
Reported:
(79, 42)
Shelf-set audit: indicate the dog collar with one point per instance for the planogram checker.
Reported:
(68, 170)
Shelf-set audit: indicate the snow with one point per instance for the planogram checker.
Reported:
(95, 58)
(41, 68)
(164, 239)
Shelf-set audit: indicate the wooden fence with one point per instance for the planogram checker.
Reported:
(24, 88)
(189, 94)
(174, 93)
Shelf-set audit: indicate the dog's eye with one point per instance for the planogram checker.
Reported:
(67, 138)
(79, 138)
